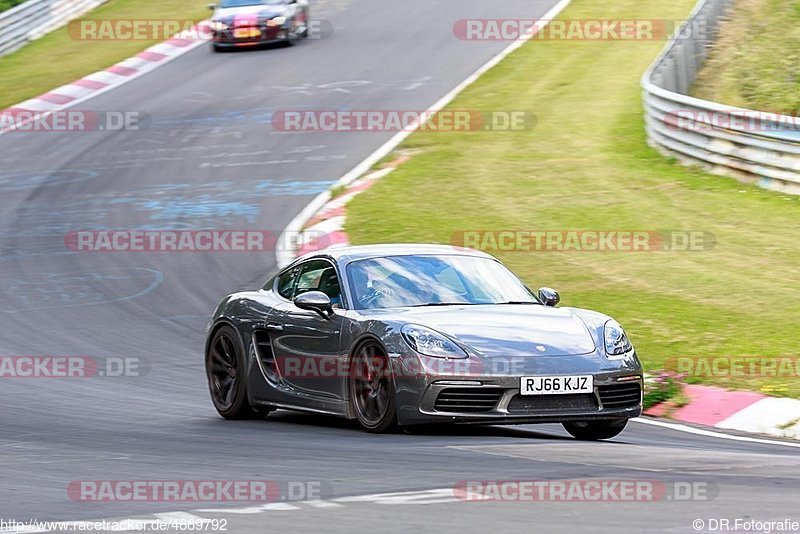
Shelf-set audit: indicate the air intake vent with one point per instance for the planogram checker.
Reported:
(536, 404)
(265, 356)
(621, 395)
(468, 400)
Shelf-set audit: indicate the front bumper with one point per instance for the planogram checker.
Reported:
(480, 398)
(266, 35)
(492, 401)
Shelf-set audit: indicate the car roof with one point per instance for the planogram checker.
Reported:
(347, 254)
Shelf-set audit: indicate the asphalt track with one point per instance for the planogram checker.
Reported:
(210, 159)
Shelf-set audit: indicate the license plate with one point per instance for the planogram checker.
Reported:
(246, 33)
(556, 385)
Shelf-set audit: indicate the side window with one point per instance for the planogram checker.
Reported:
(286, 283)
(320, 275)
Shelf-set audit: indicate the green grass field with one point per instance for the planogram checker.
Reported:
(8, 4)
(57, 59)
(586, 165)
(755, 62)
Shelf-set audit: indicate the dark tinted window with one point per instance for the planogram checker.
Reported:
(319, 275)
(286, 283)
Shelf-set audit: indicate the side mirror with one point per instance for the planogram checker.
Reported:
(548, 296)
(212, 7)
(315, 301)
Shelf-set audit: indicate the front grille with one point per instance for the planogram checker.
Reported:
(469, 400)
(621, 395)
(552, 403)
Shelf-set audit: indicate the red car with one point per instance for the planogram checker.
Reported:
(242, 23)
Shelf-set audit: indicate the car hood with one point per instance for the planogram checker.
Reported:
(259, 11)
(508, 330)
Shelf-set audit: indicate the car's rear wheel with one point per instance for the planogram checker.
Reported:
(225, 368)
(595, 430)
(371, 388)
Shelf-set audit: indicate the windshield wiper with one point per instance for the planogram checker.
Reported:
(443, 304)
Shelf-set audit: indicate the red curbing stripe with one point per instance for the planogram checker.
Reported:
(122, 71)
(55, 98)
(710, 405)
(15, 109)
(325, 214)
(151, 56)
(179, 42)
(337, 237)
(89, 84)
(361, 187)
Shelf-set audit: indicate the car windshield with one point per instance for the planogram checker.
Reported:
(243, 3)
(424, 280)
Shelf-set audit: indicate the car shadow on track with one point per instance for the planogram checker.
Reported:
(287, 418)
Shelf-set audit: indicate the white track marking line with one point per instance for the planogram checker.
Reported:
(322, 504)
(712, 434)
(276, 506)
(285, 257)
(433, 496)
(178, 516)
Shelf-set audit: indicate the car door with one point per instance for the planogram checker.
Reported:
(307, 345)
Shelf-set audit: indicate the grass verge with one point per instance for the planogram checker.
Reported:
(755, 61)
(57, 59)
(586, 165)
(5, 5)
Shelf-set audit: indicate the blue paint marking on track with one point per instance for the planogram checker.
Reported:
(50, 290)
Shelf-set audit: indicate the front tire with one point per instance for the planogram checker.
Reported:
(371, 388)
(595, 430)
(227, 378)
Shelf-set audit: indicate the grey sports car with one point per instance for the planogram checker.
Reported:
(417, 334)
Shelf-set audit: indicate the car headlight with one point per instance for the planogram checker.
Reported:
(277, 21)
(616, 340)
(218, 26)
(430, 342)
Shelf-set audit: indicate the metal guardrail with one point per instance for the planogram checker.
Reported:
(752, 146)
(34, 18)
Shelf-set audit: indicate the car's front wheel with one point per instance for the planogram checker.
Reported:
(225, 368)
(595, 430)
(371, 389)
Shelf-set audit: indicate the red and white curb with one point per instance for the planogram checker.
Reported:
(744, 411)
(325, 228)
(99, 82)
